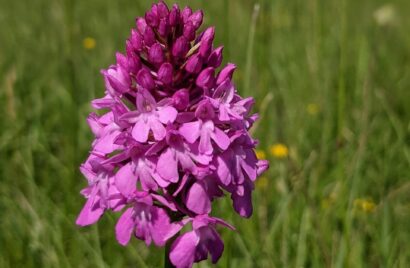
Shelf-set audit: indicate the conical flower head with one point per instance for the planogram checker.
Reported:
(172, 138)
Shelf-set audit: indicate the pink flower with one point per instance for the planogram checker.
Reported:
(171, 138)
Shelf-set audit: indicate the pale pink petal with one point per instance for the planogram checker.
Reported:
(140, 131)
(157, 128)
(190, 131)
(167, 114)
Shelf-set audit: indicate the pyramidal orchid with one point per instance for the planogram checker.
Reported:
(171, 137)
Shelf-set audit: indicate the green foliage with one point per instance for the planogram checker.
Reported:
(331, 79)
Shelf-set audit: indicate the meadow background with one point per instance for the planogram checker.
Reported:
(331, 80)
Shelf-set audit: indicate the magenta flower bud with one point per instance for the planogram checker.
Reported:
(165, 73)
(141, 25)
(189, 31)
(226, 73)
(136, 40)
(215, 59)
(133, 61)
(196, 19)
(151, 16)
(134, 64)
(163, 28)
(181, 99)
(186, 13)
(162, 9)
(149, 36)
(194, 64)
(180, 47)
(174, 16)
(206, 78)
(206, 42)
(208, 35)
(156, 54)
(122, 60)
(144, 79)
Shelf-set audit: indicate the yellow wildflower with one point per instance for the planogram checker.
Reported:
(89, 43)
(312, 108)
(279, 150)
(260, 154)
(365, 205)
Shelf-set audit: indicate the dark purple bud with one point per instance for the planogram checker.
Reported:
(206, 78)
(141, 25)
(186, 13)
(149, 36)
(156, 54)
(194, 64)
(196, 19)
(189, 31)
(144, 79)
(226, 73)
(151, 16)
(163, 10)
(163, 28)
(174, 16)
(165, 73)
(136, 40)
(181, 99)
(180, 47)
(205, 111)
(215, 59)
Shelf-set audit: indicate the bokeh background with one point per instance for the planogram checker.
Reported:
(331, 80)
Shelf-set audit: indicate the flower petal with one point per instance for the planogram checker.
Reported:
(167, 114)
(213, 243)
(197, 199)
(183, 250)
(126, 180)
(124, 227)
(161, 227)
(158, 129)
(140, 131)
(90, 213)
(167, 166)
(205, 145)
(220, 138)
(190, 131)
(243, 204)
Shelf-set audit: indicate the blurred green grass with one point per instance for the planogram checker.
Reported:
(331, 79)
